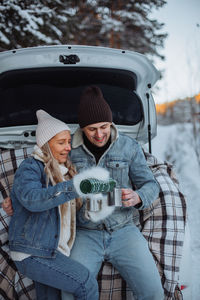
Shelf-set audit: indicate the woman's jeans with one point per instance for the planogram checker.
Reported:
(59, 273)
(128, 251)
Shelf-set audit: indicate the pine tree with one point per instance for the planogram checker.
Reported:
(25, 23)
(119, 24)
(112, 23)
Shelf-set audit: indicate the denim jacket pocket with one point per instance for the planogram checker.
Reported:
(30, 228)
(119, 171)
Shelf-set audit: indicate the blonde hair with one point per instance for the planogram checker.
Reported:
(53, 173)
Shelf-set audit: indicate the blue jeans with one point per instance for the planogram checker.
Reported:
(59, 273)
(128, 251)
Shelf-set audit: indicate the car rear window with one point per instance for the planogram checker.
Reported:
(57, 90)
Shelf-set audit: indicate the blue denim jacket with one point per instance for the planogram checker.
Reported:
(125, 161)
(35, 226)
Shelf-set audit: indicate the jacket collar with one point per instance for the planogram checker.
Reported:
(37, 153)
(78, 136)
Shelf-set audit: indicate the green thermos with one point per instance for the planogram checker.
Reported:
(95, 186)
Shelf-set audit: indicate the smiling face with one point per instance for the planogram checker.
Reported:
(98, 134)
(60, 146)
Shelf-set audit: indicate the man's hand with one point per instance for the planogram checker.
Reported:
(7, 206)
(130, 198)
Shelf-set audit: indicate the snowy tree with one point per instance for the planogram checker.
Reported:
(113, 23)
(120, 24)
(31, 23)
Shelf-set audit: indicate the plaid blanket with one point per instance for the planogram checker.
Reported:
(162, 225)
(13, 285)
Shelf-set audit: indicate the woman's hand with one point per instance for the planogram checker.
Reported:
(130, 198)
(7, 206)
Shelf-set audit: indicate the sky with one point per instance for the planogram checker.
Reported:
(181, 77)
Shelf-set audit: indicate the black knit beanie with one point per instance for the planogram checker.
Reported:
(93, 108)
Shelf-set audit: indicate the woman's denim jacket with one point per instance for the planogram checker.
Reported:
(35, 226)
(125, 161)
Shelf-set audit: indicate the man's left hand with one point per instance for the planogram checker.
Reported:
(130, 198)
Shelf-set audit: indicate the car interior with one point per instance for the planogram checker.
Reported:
(58, 89)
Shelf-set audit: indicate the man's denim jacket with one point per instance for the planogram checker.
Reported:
(35, 226)
(125, 161)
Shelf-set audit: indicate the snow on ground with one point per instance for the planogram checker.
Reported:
(174, 143)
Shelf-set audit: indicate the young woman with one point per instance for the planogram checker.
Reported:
(42, 228)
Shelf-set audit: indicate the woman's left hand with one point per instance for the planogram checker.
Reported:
(130, 198)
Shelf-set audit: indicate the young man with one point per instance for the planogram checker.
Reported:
(116, 238)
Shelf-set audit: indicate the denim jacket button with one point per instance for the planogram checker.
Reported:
(69, 189)
(117, 165)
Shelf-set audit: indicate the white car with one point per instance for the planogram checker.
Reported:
(52, 78)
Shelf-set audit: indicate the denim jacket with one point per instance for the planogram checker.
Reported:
(125, 161)
(35, 225)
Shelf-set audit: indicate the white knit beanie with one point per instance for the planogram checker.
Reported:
(47, 127)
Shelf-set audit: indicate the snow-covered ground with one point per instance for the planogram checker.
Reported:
(174, 143)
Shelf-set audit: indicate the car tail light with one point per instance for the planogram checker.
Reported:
(182, 287)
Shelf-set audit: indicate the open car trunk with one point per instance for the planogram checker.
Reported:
(46, 78)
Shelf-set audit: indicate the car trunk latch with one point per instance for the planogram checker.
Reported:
(71, 59)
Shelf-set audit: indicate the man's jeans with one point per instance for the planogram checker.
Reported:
(128, 251)
(60, 273)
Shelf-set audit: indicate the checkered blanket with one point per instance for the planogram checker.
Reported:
(162, 225)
